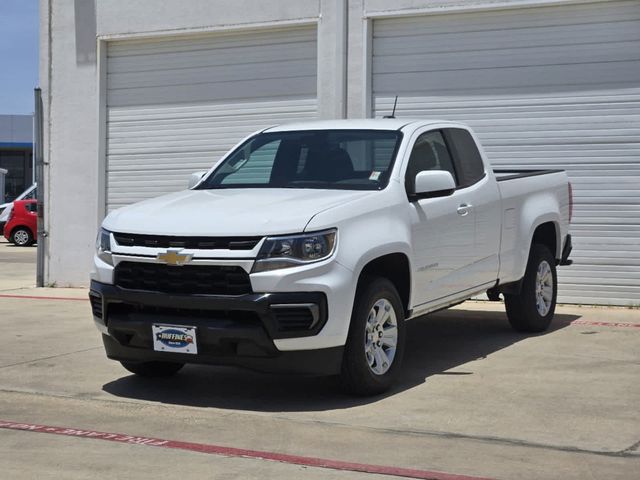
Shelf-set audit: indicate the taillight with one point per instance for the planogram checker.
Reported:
(570, 202)
(11, 212)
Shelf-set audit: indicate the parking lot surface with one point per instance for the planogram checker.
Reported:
(476, 400)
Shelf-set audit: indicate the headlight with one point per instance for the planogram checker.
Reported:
(103, 246)
(294, 250)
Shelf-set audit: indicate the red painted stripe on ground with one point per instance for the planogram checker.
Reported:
(237, 452)
(605, 324)
(35, 297)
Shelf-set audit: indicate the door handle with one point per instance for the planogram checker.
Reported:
(463, 209)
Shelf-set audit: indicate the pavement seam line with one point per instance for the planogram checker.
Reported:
(633, 448)
(48, 358)
(604, 324)
(237, 452)
(624, 453)
(40, 297)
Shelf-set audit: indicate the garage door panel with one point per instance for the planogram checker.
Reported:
(505, 18)
(537, 79)
(224, 41)
(129, 120)
(259, 71)
(287, 88)
(177, 105)
(487, 41)
(508, 57)
(207, 58)
(546, 87)
(155, 131)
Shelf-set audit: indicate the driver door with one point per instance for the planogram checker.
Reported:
(442, 228)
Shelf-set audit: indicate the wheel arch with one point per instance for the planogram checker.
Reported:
(548, 234)
(26, 227)
(396, 268)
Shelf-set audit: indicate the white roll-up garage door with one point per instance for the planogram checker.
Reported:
(175, 105)
(543, 87)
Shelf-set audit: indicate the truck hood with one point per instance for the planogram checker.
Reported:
(228, 212)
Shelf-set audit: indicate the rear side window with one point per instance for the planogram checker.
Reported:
(466, 156)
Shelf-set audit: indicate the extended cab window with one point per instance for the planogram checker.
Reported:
(428, 153)
(466, 157)
(330, 159)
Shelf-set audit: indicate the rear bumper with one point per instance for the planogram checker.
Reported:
(237, 330)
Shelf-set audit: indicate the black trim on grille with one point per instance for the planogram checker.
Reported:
(295, 317)
(205, 243)
(186, 279)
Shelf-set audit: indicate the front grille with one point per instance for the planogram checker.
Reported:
(239, 317)
(293, 319)
(206, 243)
(96, 304)
(187, 279)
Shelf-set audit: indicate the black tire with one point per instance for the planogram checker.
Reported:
(21, 237)
(357, 376)
(522, 309)
(153, 369)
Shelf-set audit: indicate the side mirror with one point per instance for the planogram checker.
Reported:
(195, 178)
(433, 183)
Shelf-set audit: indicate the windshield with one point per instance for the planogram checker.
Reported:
(329, 159)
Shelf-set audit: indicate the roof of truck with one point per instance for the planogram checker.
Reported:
(353, 124)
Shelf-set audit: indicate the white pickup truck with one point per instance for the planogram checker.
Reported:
(308, 245)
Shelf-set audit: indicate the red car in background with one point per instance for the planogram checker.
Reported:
(22, 226)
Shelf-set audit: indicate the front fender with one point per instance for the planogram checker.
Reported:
(369, 228)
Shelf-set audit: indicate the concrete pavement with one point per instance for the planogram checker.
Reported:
(475, 399)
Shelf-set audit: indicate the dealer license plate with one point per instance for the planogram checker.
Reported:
(175, 339)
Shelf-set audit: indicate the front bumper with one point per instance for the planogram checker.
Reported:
(238, 330)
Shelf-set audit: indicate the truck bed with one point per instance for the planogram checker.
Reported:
(524, 195)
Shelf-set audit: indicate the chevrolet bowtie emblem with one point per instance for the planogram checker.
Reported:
(174, 257)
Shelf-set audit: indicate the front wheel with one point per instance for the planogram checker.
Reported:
(153, 369)
(532, 309)
(375, 344)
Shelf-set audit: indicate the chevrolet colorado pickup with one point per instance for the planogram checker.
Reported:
(307, 247)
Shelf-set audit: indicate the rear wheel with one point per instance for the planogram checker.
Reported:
(153, 369)
(532, 309)
(375, 344)
(22, 237)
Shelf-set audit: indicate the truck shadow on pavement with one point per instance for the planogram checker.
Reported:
(436, 345)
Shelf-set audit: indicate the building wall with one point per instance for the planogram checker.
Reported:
(69, 88)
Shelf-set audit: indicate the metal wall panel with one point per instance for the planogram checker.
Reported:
(175, 105)
(543, 87)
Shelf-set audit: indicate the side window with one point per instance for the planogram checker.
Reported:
(429, 153)
(251, 167)
(466, 156)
